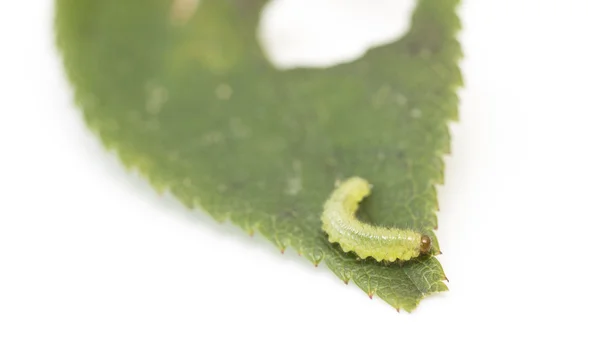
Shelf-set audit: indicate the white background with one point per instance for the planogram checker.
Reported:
(95, 266)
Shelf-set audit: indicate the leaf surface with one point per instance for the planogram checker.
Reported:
(190, 101)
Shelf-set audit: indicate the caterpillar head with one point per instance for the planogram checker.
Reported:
(425, 245)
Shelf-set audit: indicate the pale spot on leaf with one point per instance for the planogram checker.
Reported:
(156, 97)
(182, 11)
(224, 91)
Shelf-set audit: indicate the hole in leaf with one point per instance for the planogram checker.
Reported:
(323, 33)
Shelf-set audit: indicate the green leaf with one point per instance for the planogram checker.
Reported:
(194, 106)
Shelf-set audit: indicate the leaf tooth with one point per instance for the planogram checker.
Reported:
(280, 243)
(314, 255)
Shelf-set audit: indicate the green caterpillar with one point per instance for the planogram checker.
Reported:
(342, 226)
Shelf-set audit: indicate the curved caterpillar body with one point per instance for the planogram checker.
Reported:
(342, 226)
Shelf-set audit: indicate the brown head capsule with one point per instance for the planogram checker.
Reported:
(425, 246)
